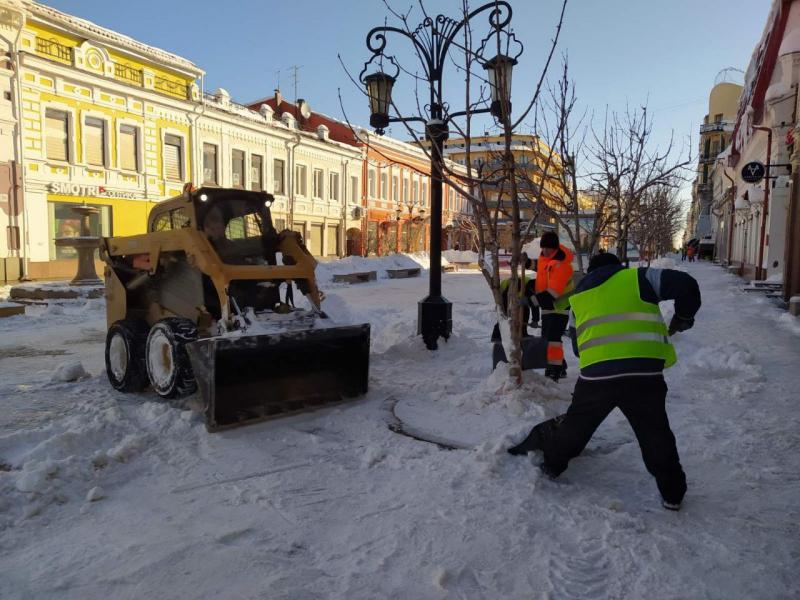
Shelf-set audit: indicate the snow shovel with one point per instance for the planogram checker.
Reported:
(534, 353)
(258, 377)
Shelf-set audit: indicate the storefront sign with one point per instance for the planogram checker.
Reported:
(75, 189)
(753, 172)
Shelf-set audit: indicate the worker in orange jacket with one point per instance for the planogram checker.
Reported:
(553, 288)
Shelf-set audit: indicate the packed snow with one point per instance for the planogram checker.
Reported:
(108, 495)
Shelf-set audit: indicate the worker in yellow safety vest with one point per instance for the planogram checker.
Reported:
(623, 347)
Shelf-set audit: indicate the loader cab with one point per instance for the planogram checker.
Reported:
(236, 222)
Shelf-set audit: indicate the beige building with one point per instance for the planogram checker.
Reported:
(716, 130)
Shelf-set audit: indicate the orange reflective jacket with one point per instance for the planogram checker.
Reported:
(553, 275)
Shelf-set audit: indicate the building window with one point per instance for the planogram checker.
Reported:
(395, 189)
(94, 138)
(333, 186)
(354, 190)
(210, 164)
(57, 125)
(173, 157)
(65, 222)
(384, 186)
(414, 192)
(318, 179)
(424, 199)
(129, 147)
(718, 118)
(277, 176)
(280, 224)
(406, 185)
(256, 173)
(237, 168)
(450, 199)
(300, 179)
(371, 183)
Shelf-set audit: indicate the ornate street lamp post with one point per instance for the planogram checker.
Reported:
(432, 40)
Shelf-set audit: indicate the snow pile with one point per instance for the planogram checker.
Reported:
(730, 367)
(460, 256)
(359, 264)
(67, 460)
(69, 371)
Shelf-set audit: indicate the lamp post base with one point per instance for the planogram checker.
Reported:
(434, 320)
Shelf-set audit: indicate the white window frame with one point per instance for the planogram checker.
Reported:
(139, 144)
(261, 170)
(283, 179)
(317, 194)
(372, 183)
(355, 190)
(297, 189)
(395, 189)
(333, 185)
(244, 182)
(93, 114)
(179, 134)
(203, 162)
(72, 150)
(384, 186)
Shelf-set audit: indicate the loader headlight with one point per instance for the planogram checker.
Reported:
(268, 203)
(203, 197)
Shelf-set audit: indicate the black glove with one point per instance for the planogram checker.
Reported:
(680, 324)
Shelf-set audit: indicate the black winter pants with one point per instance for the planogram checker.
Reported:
(642, 401)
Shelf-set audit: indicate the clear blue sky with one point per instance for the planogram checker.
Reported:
(664, 52)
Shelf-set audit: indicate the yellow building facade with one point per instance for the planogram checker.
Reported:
(530, 154)
(104, 120)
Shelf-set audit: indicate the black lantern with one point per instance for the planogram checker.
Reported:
(379, 89)
(499, 71)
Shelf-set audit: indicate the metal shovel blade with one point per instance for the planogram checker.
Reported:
(257, 377)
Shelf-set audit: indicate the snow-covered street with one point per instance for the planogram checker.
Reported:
(106, 495)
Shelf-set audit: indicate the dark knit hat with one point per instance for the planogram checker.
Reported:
(549, 239)
(602, 259)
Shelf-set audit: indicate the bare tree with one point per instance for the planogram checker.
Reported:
(555, 187)
(659, 219)
(491, 190)
(626, 167)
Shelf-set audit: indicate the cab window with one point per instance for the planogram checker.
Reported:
(162, 223)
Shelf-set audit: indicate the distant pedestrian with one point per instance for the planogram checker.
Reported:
(690, 252)
(683, 253)
(621, 340)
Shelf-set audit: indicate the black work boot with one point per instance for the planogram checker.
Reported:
(529, 444)
(553, 372)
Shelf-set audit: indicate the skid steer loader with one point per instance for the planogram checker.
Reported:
(205, 299)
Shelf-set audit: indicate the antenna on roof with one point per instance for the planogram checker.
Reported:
(278, 79)
(295, 78)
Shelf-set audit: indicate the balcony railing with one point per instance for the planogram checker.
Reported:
(171, 87)
(716, 126)
(55, 50)
(129, 74)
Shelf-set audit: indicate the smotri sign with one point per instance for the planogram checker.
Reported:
(76, 189)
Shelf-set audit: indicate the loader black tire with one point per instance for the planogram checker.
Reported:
(168, 366)
(125, 360)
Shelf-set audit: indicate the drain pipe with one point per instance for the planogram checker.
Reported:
(733, 213)
(759, 268)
